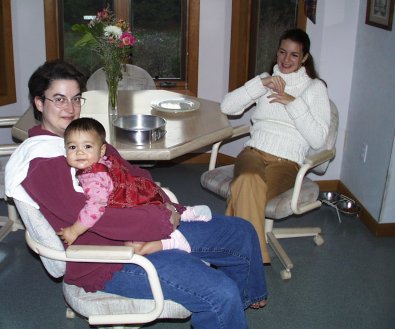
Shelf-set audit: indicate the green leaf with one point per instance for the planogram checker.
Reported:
(86, 40)
(80, 28)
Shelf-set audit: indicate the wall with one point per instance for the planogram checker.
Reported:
(214, 58)
(29, 52)
(371, 115)
(214, 44)
(333, 47)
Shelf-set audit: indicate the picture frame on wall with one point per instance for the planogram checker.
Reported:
(379, 13)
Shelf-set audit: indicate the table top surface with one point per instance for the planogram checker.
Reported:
(186, 132)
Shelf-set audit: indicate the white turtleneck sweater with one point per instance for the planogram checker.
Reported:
(286, 131)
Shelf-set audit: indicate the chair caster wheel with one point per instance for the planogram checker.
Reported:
(70, 313)
(318, 240)
(285, 274)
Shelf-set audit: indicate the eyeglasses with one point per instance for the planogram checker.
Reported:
(62, 102)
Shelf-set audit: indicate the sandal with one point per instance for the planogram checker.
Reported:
(258, 305)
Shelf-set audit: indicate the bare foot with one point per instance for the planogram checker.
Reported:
(258, 305)
(137, 246)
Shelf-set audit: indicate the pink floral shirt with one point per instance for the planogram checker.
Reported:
(97, 188)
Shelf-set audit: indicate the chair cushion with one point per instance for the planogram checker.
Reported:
(40, 230)
(280, 206)
(100, 302)
(218, 181)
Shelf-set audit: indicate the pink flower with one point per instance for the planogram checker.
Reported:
(103, 15)
(127, 39)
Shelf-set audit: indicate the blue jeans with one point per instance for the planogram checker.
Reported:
(216, 295)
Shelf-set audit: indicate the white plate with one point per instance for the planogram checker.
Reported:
(176, 105)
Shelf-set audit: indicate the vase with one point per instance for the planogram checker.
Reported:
(112, 98)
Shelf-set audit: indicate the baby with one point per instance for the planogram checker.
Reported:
(107, 182)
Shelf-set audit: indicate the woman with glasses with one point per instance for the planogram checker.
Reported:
(216, 296)
(290, 115)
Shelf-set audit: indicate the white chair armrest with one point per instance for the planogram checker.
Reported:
(238, 131)
(170, 194)
(309, 163)
(8, 121)
(8, 149)
(95, 253)
(319, 158)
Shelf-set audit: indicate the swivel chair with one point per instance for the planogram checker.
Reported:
(99, 308)
(300, 199)
(134, 78)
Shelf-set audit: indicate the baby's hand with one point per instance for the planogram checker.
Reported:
(67, 235)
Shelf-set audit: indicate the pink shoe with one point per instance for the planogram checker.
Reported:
(176, 241)
(197, 213)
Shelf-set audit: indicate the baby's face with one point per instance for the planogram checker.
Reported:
(83, 148)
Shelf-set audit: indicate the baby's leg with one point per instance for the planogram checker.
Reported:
(177, 241)
(196, 213)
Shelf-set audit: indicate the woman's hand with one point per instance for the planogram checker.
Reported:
(275, 83)
(283, 98)
(175, 216)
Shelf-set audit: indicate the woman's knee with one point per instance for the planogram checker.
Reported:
(249, 182)
(227, 292)
(249, 177)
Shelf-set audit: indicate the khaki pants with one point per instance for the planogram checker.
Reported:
(258, 177)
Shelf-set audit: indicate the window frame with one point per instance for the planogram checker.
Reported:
(7, 78)
(244, 20)
(121, 7)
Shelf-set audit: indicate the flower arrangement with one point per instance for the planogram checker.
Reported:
(112, 40)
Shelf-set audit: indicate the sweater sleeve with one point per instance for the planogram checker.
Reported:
(97, 188)
(238, 100)
(61, 204)
(311, 113)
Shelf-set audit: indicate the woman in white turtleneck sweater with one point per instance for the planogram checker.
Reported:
(290, 116)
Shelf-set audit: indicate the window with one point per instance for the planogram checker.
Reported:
(166, 31)
(256, 28)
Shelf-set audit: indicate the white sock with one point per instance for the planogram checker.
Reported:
(196, 213)
(176, 241)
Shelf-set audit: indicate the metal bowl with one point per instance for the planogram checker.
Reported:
(331, 197)
(348, 207)
(140, 129)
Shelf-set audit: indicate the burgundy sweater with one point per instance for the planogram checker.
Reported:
(48, 183)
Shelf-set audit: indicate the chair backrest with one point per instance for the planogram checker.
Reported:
(40, 230)
(330, 140)
(134, 78)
